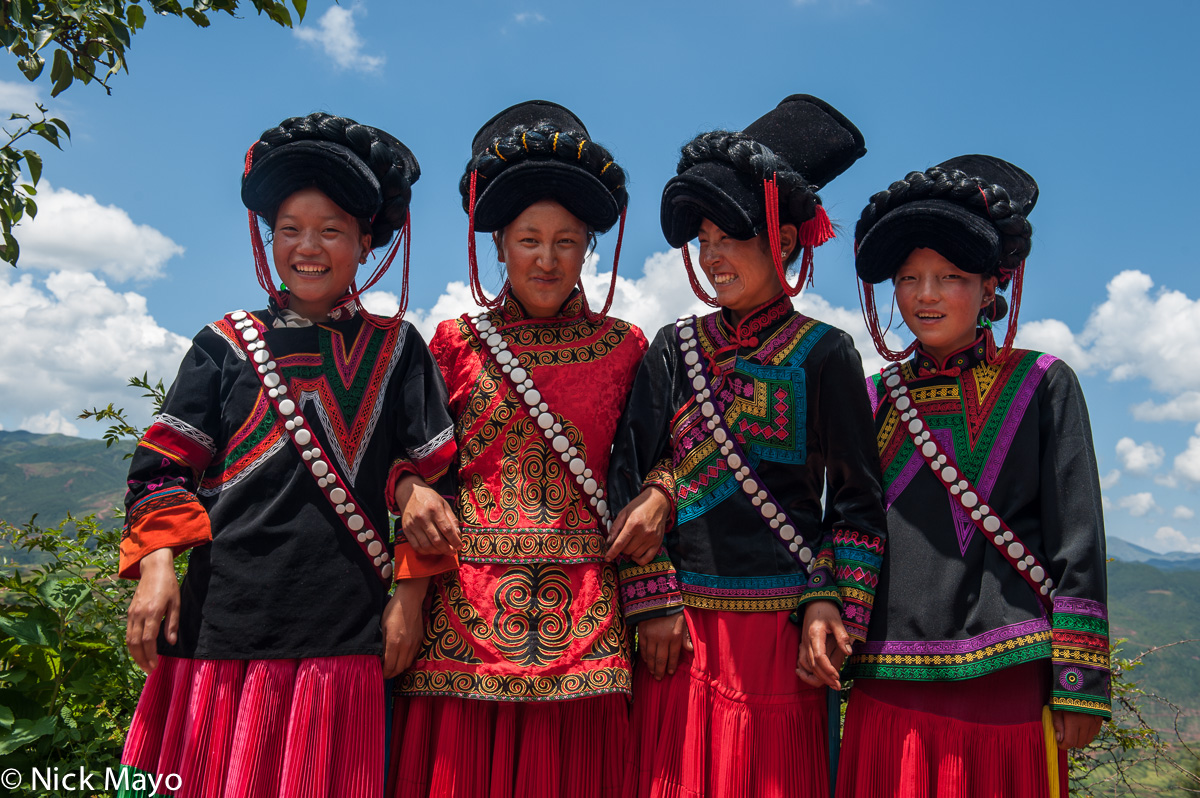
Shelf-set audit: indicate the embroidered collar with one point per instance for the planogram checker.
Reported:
(344, 310)
(513, 311)
(965, 359)
(764, 319)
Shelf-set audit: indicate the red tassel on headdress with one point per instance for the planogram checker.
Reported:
(1014, 311)
(697, 289)
(612, 283)
(866, 299)
(262, 269)
(810, 235)
(403, 235)
(477, 292)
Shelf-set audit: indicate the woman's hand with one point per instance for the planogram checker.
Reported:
(403, 625)
(660, 641)
(427, 521)
(1074, 729)
(155, 599)
(638, 531)
(822, 631)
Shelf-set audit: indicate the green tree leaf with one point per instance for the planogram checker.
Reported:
(33, 162)
(136, 17)
(26, 731)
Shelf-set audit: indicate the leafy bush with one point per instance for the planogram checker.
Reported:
(68, 687)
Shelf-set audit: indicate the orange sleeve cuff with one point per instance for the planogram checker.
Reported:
(410, 565)
(180, 526)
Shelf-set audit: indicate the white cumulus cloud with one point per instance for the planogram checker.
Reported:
(18, 98)
(1139, 458)
(1174, 540)
(336, 34)
(528, 18)
(75, 232)
(1136, 333)
(1184, 512)
(1110, 479)
(1139, 504)
(72, 343)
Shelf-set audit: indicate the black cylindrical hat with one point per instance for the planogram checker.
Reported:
(971, 209)
(805, 142)
(540, 150)
(368, 172)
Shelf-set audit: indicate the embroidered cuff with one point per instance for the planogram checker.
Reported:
(662, 477)
(649, 591)
(846, 571)
(179, 442)
(1079, 636)
(166, 518)
(398, 471)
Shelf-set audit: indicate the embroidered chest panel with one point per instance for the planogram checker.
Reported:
(974, 418)
(763, 398)
(343, 384)
(513, 481)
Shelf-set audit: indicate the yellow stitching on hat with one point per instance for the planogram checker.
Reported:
(524, 143)
(605, 169)
(555, 143)
(496, 147)
(579, 154)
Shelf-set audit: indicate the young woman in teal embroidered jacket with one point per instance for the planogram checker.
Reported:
(742, 419)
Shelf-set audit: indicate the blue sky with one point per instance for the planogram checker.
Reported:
(142, 238)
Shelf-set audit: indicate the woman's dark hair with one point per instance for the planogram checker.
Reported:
(988, 201)
(545, 140)
(798, 199)
(391, 162)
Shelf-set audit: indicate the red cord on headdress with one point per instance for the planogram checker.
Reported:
(697, 289)
(1014, 311)
(477, 292)
(809, 235)
(262, 269)
(866, 299)
(612, 283)
(386, 322)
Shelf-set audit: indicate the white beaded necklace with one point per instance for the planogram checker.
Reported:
(252, 332)
(770, 508)
(492, 342)
(993, 526)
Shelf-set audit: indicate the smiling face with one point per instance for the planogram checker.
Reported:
(543, 250)
(317, 248)
(741, 272)
(940, 302)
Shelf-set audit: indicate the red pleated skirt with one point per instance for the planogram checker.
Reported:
(447, 747)
(309, 728)
(976, 738)
(734, 721)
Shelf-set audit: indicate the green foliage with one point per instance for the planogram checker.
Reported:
(16, 193)
(121, 429)
(67, 685)
(86, 41)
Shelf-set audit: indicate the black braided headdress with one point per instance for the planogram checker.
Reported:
(972, 210)
(366, 171)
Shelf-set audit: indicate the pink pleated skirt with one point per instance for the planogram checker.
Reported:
(976, 738)
(446, 747)
(734, 721)
(309, 728)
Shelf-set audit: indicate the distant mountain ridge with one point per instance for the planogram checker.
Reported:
(1124, 551)
(53, 475)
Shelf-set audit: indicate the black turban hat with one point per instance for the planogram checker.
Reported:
(804, 142)
(971, 209)
(369, 173)
(539, 150)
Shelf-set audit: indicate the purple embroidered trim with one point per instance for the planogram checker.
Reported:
(1008, 428)
(950, 647)
(767, 349)
(1080, 606)
(791, 590)
(873, 395)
